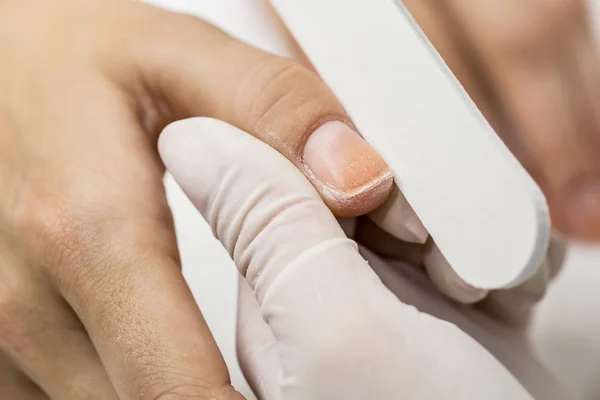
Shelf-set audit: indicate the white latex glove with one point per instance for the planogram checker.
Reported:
(333, 330)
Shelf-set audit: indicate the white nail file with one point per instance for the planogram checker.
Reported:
(486, 214)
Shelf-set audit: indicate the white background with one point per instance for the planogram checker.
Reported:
(567, 329)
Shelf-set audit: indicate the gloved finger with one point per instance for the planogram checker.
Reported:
(371, 235)
(190, 68)
(514, 306)
(446, 280)
(413, 287)
(557, 254)
(256, 346)
(397, 218)
(428, 255)
(535, 54)
(339, 332)
(15, 385)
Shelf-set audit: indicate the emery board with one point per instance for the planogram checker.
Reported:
(486, 214)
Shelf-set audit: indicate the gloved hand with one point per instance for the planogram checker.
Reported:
(315, 320)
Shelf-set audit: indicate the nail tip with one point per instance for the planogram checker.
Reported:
(363, 199)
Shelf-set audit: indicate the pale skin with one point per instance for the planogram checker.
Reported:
(90, 284)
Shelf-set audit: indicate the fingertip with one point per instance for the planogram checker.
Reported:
(178, 135)
(190, 146)
(172, 139)
(397, 218)
(447, 280)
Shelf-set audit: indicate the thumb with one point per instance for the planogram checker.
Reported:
(190, 68)
(340, 333)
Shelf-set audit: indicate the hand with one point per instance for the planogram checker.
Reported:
(92, 301)
(315, 322)
(533, 68)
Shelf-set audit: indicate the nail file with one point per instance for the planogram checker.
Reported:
(485, 213)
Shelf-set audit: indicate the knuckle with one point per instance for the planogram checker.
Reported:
(263, 221)
(266, 85)
(280, 95)
(48, 228)
(67, 237)
(169, 386)
(82, 240)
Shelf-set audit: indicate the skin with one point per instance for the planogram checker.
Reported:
(85, 228)
(90, 284)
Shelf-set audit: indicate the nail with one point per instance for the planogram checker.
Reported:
(346, 169)
(583, 212)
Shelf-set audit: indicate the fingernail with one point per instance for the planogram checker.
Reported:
(347, 168)
(583, 212)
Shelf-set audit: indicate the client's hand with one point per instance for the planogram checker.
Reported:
(315, 321)
(92, 301)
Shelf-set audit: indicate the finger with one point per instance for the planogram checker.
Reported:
(193, 69)
(256, 346)
(111, 251)
(515, 306)
(413, 287)
(428, 255)
(340, 333)
(43, 337)
(527, 50)
(378, 240)
(16, 385)
(52, 348)
(397, 218)
(557, 254)
(446, 280)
